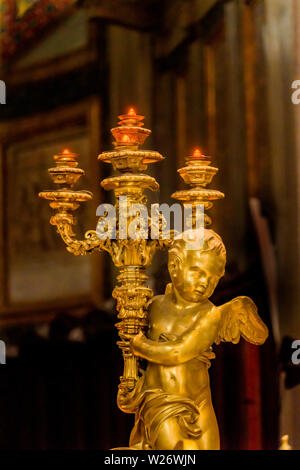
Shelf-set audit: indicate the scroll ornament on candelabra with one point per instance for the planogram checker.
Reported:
(174, 332)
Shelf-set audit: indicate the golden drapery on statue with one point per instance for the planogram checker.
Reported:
(174, 332)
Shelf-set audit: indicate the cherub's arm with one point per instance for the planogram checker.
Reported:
(193, 342)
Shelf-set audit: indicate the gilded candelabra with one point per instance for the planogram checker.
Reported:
(173, 332)
(131, 256)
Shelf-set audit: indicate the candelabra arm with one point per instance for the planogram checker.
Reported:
(91, 242)
(65, 200)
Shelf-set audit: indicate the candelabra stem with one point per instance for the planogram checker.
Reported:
(132, 297)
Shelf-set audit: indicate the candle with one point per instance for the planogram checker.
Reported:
(131, 112)
(197, 153)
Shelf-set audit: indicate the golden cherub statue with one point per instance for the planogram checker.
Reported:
(172, 399)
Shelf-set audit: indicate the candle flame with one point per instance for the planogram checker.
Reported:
(132, 112)
(66, 152)
(125, 138)
(197, 153)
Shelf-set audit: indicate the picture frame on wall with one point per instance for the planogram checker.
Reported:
(38, 275)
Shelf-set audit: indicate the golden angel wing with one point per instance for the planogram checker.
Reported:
(240, 318)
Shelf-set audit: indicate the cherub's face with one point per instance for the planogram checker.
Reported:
(195, 274)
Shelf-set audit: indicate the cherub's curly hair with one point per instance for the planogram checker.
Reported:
(212, 242)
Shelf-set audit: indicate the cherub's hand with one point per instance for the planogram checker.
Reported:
(136, 340)
(125, 336)
(167, 337)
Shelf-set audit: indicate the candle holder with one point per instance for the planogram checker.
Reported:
(167, 413)
(198, 174)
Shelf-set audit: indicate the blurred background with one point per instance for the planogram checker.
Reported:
(209, 73)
